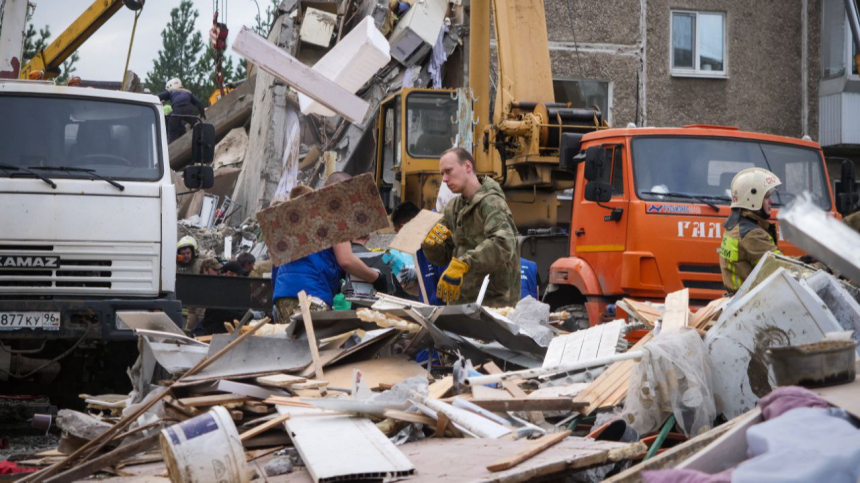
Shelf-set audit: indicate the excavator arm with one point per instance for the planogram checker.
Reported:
(46, 63)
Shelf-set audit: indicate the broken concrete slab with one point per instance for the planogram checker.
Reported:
(778, 312)
(822, 236)
(350, 64)
(230, 151)
(322, 219)
(318, 27)
(284, 66)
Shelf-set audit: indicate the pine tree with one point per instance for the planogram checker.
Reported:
(178, 57)
(205, 79)
(34, 41)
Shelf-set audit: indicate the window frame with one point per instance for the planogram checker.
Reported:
(607, 116)
(696, 71)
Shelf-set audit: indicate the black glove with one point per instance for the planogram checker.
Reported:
(382, 284)
(202, 114)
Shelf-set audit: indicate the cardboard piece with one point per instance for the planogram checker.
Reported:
(410, 237)
(322, 219)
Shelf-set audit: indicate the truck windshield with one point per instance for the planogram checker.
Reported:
(704, 167)
(112, 139)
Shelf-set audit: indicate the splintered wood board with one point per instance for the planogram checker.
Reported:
(709, 313)
(215, 400)
(677, 310)
(610, 387)
(280, 380)
(441, 388)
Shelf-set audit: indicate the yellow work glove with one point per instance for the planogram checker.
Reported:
(452, 278)
(437, 235)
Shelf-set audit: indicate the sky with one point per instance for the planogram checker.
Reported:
(103, 56)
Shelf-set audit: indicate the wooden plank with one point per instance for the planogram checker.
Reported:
(610, 387)
(312, 338)
(541, 444)
(677, 310)
(441, 388)
(83, 470)
(284, 66)
(214, 400)
(264, 427)
(280, 380)
(512, 387)
(530, 404)
(232, 111)
(409, 417)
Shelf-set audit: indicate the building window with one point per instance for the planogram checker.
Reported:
(698, 44)
(833, 56)
(584, 94)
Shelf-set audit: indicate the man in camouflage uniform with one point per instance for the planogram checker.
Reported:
(475, 237)
(748, 234)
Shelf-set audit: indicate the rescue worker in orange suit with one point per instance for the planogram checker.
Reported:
(748, 233)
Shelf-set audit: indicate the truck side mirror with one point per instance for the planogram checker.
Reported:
(598, 191)
(568, 152)
(846, 195)
(595, 163)
(203, 143)
(199, 177)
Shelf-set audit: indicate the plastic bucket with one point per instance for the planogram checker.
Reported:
(205, 448)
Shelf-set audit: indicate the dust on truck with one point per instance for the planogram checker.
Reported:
(87, 230)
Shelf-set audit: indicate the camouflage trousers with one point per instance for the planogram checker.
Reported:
(288, 306)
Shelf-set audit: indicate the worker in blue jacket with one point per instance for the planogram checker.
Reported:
(529, 279)
(183, 104)
(430, 274)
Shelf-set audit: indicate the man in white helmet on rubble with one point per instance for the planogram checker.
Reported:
(749, 234)
(185, 109)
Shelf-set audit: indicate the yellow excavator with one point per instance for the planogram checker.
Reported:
(46, 63)
(519, 146)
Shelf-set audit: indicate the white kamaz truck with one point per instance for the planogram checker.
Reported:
(87, 229)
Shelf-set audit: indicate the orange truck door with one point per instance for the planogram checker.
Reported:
(599, 230)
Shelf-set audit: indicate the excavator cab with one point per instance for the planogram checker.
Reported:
(415, 127)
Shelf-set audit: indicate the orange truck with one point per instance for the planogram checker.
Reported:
(649, 205)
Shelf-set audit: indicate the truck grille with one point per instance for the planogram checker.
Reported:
(79, 268)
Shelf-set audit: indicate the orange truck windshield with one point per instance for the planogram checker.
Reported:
(682, 168)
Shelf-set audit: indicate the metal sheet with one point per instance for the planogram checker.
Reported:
(841, 304)
(149, 321)
(216, 292)
(255, 356)
(822, 236)
(339, 447)
(473, 321)
(778, 312)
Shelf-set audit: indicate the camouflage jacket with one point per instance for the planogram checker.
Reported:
(746, 239)
(853, 221)
(483, 235)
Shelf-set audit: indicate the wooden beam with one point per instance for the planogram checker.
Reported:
(529, 404)
(677, 311)
(81, 471)
(540, 445)
(232, 111)
(284, 66)
(214, 400)
(409, 417)
(280, 380)
(312, 338)
(512, 387)
(264, 427)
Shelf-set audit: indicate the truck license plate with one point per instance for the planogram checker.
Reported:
(29, 320)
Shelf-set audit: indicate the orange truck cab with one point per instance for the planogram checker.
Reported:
(649, 206)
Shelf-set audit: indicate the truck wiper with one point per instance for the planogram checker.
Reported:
(699, 198)
(91, 172)
(9, 167)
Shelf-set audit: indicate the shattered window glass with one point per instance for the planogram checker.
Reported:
(429, 129)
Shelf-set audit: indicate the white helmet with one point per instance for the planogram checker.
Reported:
(751, 186)
(187, 241)
(173, 84)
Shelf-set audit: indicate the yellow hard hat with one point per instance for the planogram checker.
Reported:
(751, 186)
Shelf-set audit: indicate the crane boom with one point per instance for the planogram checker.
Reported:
(46, 63)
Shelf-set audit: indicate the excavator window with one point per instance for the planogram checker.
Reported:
(429, 127)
